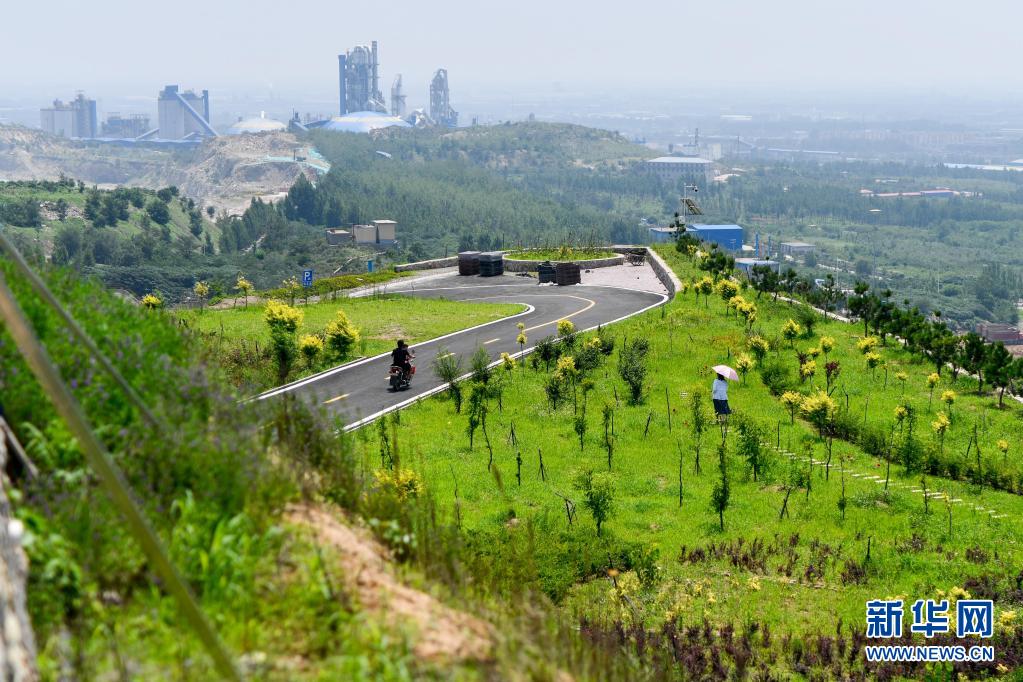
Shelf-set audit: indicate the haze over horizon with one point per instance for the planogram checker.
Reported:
(796, 46)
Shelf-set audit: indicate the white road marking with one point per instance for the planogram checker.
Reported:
(487, 343)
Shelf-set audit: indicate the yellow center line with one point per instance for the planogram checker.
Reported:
(445, 355)
(340, 397)
(490, 341)
(565, 317)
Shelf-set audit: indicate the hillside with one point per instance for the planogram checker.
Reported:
(820, 513)
(561, 524)
(224, 173)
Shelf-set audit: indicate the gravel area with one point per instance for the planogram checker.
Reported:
(638, 277)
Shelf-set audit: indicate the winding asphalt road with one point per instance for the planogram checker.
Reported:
(358, 391)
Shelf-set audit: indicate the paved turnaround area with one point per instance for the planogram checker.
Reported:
(358, 391)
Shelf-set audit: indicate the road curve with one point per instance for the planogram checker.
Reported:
(358, 393)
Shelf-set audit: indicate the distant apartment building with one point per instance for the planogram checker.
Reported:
(693, 170)
(76, 118)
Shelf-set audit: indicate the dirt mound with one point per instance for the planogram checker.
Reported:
(439, 634)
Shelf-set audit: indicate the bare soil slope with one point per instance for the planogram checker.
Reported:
(225, 172)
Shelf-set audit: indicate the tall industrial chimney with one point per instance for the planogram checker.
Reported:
(376, 76)
(343, 84)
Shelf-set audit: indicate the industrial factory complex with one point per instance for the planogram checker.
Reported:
(183, 116)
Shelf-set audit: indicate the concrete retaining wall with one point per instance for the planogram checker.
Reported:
(512, 265)
(664, 273)
(435, 264)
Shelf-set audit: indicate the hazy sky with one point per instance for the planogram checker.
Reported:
(116, 47)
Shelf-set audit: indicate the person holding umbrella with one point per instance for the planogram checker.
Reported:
(719, 394)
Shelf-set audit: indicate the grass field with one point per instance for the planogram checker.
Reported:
(381, 321)
(799, 575)
(562, 254)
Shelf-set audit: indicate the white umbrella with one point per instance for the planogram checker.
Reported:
(726, 371)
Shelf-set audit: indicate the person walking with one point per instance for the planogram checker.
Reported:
(719, 395)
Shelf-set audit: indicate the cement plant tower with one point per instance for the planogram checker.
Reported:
(359, 80)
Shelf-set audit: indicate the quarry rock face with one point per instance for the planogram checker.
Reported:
(225, 172)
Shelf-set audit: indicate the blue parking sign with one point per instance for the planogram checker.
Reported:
(307, 278)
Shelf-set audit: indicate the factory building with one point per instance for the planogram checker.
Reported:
(1005, 333)
(440, 100)
(728, 237)
(660, 235)
(359, 80)
(796, 248)
(76, 118)
(693, 170)
(125, 127)
(183, 115)
(397, 98)
(746, 265)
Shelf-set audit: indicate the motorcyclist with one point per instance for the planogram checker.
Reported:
(402, 356)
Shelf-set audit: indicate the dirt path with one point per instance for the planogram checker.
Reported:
(438, 633)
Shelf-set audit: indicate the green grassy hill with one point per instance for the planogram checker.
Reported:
(850, 532)
(401, 552)
(241, 337)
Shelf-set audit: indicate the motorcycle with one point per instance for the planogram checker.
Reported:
(398, 378)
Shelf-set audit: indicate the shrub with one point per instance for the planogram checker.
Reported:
(744, 363)
(152, 301)
(403, 483)
(598, 491)
(243, 287)
(727, 290)
(792, 400)
(479, 366)
(341, 335)
(589, 356)
(632, 367)
(547, 351)
(566, 332)
(791, 331)
(807, 370)
(607, 341)
(759, 346)
(819, 408)
(868, 344)
(808, 318)
(282, 317)
(776, 376)
(310, 346)
(448, 367)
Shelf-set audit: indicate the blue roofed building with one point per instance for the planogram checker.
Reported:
(728, 237)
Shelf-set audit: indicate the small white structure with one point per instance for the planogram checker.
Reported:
(259, 124)
(796, 248)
